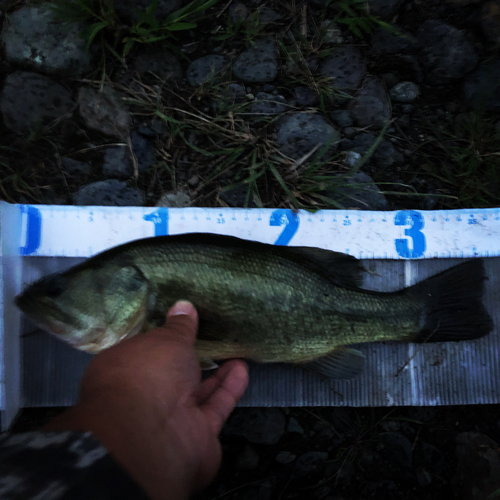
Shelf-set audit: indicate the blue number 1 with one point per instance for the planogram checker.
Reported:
(417, 223)
(291, 221)
(160, 219)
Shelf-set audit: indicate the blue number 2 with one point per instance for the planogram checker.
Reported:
(160, 219)
(416, 220)
(291, 221)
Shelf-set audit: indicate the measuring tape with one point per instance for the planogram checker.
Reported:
(71, 231)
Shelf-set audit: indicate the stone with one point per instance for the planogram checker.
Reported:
(117, 163)
(175, 199)
(385, 155)
(285, 457)
(75, 168)
(268, 15)
(371, 106)
(309, 462)
(490, 21)
(423, 476)
(404, 92)
(257, 425)
(235, 92)
(294, 427)
(445, 52)
(478, 471)
(238, 12)
(143, 150)
(359, 191)
(111, 192)
(482, 87)
(103, 111)
(127, 10)
(237, 196)
(269, 104)
(206, 69)
(331, 32)
(248, 459)
(385, 41)
(162, 64)
(352, 158)
(29, 100)
(397, 449)
(258, 63)
(305, 96)
(384, 8)
(33, 38)
(341, 117)
(299, 133)
(347, 66)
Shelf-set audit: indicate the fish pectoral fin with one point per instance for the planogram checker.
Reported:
(342, 363)
(208, 364)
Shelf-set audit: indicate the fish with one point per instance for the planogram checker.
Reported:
(266, 303)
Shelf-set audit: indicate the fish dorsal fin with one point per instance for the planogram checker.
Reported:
(343, 363)
(340, 268)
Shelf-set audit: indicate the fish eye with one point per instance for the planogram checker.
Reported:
(55, 286)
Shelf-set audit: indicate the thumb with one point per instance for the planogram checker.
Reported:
(181, 323)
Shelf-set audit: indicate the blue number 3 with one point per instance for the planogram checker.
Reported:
(417, 223)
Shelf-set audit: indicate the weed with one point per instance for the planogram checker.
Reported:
(247, 28)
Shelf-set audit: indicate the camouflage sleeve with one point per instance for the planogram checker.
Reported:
(61, 466)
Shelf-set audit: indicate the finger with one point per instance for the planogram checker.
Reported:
(212, 383)
(226, 394)
(181, 323)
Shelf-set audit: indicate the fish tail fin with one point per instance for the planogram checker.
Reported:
(453, 304)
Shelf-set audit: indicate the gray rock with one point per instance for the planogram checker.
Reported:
(482, 87)
(352, 158)
(386, 155)
(238, 12)
(423, 476)
(75, 168)
(143, 150)
(294, 426)
(311, 461)
(331, 32)
(404, 122)
(371, 106)
(347, 66)
(258, 63)
(235, 92)
(127, 9)
(404, 92)
(237, 196)
(490, 20)
(257, 425)
(397, 449)
(117, 163)
(162, 64)
(175, 199)
(384, 8)
(103, 111)
(206, 69)
(299, 133)
(285, 457)
(111, 192)
(34, 39)
(268, 15)
(29, 100)
(269, 104)
(446, 53)
(248, 459)
(387, 42)
(341, 117)
(407, 108)
(360, 192)
(305, 96)
(478, 470)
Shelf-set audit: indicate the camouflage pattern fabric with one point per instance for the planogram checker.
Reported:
(61, 466)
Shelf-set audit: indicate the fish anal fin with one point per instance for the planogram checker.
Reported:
(343, 363)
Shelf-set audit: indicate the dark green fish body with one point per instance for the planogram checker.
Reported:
(266, 303)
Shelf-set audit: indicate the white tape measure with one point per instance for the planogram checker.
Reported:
(49, 230)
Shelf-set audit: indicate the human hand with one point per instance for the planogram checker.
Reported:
(144, 400)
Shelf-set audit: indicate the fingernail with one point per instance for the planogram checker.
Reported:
(183, 307)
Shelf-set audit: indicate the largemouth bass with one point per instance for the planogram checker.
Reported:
(257, 301)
